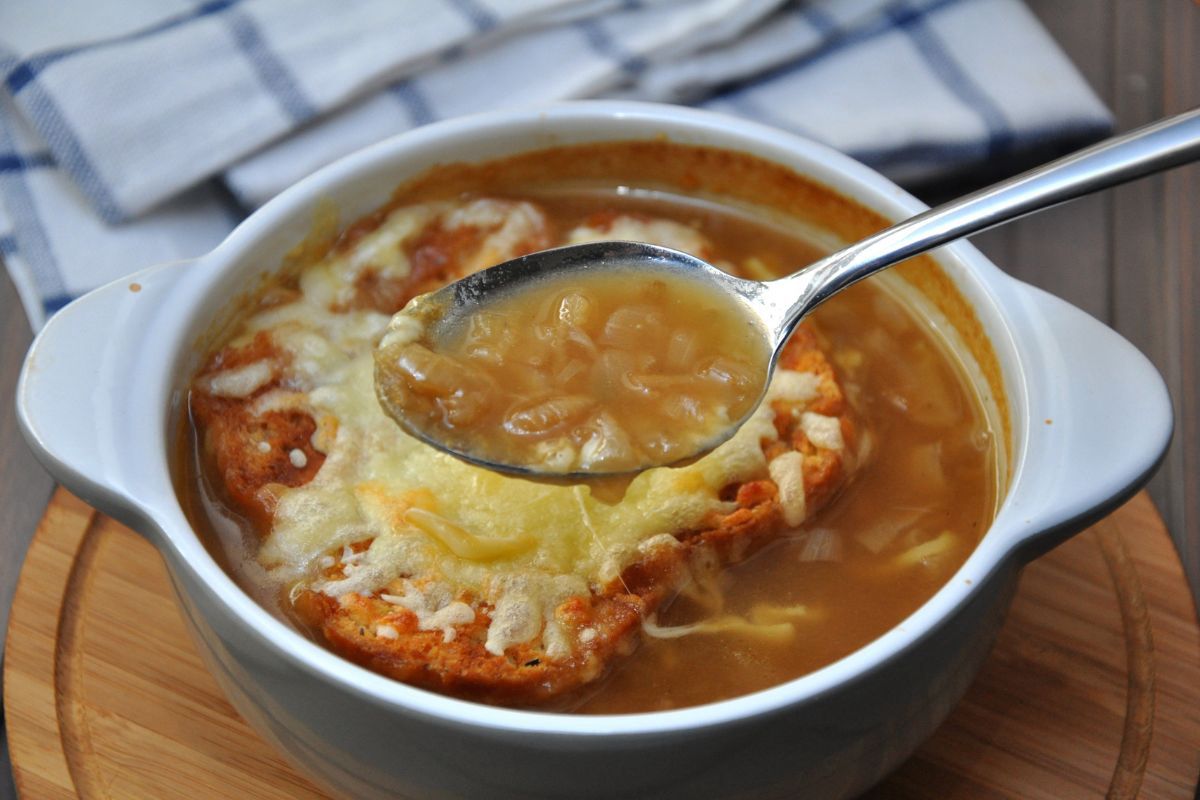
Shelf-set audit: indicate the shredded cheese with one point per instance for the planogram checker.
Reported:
(926, 551)
(793, 387)
(239, 381)
(822, 431)
(769, 631)
(433, 608)
(660, 231)
(787, 471)
(463, 543)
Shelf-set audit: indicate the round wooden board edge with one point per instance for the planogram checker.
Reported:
(31, 707)
(42, 766)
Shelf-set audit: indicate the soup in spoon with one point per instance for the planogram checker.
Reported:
(600, 371)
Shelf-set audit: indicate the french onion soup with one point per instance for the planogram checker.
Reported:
(852, 493)
(595, 371)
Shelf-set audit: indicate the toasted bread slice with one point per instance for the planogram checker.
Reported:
(264, 438)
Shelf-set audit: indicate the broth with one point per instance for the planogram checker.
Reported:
(853, 570)
(923, 491)
(582, 373)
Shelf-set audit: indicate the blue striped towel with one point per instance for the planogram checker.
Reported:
(134, 133)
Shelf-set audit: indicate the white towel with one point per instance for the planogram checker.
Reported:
(133, 132)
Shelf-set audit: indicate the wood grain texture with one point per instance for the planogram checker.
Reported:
(1093, 686)
(24, 486)
(1131, 257)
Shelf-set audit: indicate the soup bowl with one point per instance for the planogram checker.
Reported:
(1086, 418)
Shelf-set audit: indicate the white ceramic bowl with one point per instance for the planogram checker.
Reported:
(99, 400)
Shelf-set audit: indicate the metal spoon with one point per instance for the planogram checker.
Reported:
(779, 305)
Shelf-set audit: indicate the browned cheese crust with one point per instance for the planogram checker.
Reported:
(602, 627)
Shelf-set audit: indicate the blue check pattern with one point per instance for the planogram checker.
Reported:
(149, 137)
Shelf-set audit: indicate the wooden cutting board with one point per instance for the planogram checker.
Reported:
(1093, 686)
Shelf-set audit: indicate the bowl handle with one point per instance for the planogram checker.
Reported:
(1100, 421)
(78, 402)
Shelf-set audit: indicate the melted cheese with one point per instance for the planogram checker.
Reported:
(794, 387)
(662, 232)
(822, 431)
(433, 608)
(239, 381)
(519, 547)
(512, 224)
(331, 282)
(787, 471)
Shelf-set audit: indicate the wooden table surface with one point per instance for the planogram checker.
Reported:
(1092, 687)
(1130, 257)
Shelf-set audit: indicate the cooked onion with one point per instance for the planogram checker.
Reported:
(727, 371)
(630, 327)
(684, 408)
(766, 613)
(610, 371)
(462, 408)
(822, 544)
(667, 383)
(608, 443)
(428, 373)
(575, 336)
(547, 416)
(487, 328)
(727, 623)
(924, 469)
(570, 371)
(927, 551)
(681, 350)
(880, 535)
(575, 309)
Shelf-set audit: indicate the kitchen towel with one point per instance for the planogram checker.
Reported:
(139, 131)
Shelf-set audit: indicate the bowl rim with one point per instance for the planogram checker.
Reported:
(871, 190)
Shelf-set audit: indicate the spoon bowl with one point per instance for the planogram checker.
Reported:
(442, 314)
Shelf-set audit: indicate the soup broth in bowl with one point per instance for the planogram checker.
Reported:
(856, 490)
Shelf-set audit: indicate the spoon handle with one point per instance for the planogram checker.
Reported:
(1152, 148)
